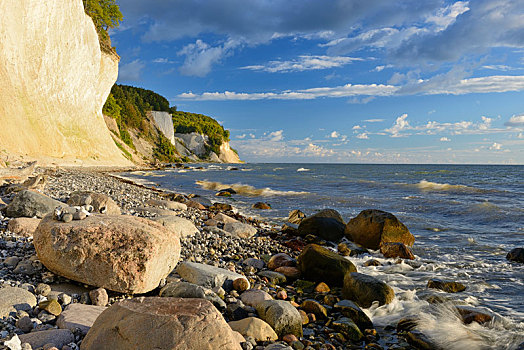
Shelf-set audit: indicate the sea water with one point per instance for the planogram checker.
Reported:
(465, 219)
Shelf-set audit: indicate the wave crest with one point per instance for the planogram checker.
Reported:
(247, 190)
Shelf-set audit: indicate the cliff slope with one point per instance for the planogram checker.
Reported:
(54, 80)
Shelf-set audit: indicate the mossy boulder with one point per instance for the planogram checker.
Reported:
(326, 224)
(364, 290)
(322, 265)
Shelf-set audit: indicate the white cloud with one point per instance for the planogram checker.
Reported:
(363, 136)
(444, 139)
(200, 57)
(356, 127)
(448, 15)
(334, 134)
(401, 125)
(381, 68)
(276, 136)
(243, 136)
(374, 120)
(495, 146)
(304, 63)
(131, 71)
(515, 121)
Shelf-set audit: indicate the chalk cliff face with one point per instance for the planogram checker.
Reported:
(54, 80)
(227, 155)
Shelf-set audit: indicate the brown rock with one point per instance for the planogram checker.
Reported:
(254, 327)
(261, 205)
(343, 249)
(122, 253)
(470, 315)
(396, 250)
(102, 204)
(296, 216)
(326, 224)
(240, 284)
(79, 316)
(161, 323)
(289, 338)
(446, 286)
(314, 307)
(322, 288)
(279, 260)
(195, 205)
(99, 297)
(364, 290)
(372, 227)
(303, 314)
(25, 227)
(322, 265)
(58, 337)
(289, 271)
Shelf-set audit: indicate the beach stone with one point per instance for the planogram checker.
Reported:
(122, 253)
(396, 250)
(372, 262)
(207, 276)
(253, 297)
(419, 340)
(326, 224)
(57, 337)
(516, 254)
(12, 261)
(262, 206)
(256, 263)
(154, 211)
(25, 324)
(273, 276)
(171, 205)
(373, 227)
(240, 230)
(296, 216)
(278, 346)
(355, 313)
(161, 323)
(52, 306)
(195, 205)
(446, 286)
(290, 272)
(13, 299)
(99, 297)
(279, 260)
(190, 290)
(283, 317)
(364, 290)
(29, 204)
(24, 227)
(179, 226)
(223, 218)
(314, 307)
(322, 265)
(322, 288)
(102, 203)
(25, 267)
(79, 316)
(221, 207)
(254, 327)
(348, 328)
(240, 284)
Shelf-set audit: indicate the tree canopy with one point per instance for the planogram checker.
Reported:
(105, 13)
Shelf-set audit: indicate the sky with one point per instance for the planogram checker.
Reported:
(345, 81)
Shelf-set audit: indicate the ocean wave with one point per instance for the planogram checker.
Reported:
(424, 185)
(247, 190)
(302, 169)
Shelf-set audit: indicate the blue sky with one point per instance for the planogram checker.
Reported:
(375, 81)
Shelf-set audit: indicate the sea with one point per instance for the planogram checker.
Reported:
(465, 219)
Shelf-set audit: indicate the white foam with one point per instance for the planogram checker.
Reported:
(302, 169)
(247, 190)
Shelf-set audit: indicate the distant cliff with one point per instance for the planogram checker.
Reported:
(54, 81)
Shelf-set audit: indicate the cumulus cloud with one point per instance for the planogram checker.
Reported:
(304, 63)
(200, 57)
(444, 139)
(363, 136)
(401, 125)
(334, 134)
(131, 71)
(276, 136)
(515, 121)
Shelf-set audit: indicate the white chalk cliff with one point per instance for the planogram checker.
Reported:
(54, 80)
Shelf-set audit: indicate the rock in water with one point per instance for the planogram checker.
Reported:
(161, 323)
(261, 205)
(121, 253)
(364, 290)
(516, 255)
(101, 203)
(296, 216)
(446, 286)
(29, 204)
(396, 250)
(327, 224)
(283, 317)
(373, 227)
(322, 265)
(351, 310)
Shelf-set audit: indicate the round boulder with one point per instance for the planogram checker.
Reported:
(364, 290)
(322, 265)
(326, 224)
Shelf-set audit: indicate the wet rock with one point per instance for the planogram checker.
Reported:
(221, 207)
(327, 224)
(516, 254)
(470, 315)
(179, 226)
(322, 288)
(364, 290)
(161, 323)
(290, 272)
(99, 297)
(240, 284)
(171, 205)
(240, 230)
(262, 206)
(314, 307)
(446, 286)
(273, 276)
(419, 340)
(207, 276)
(25, 227)
(372, 262)
(253, 297)
(102, 204)
(122, 253)
(348, 328)
(79, 316)
(322, 265)
(30, 204)
(373, 227)
(279, 260)
(355, 313)
(57, 337)
(283, 317)
(190, 290)
(13, 299)
(296, 216)
(254, 327)
(396, 250)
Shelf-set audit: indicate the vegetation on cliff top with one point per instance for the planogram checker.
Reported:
(105, 15)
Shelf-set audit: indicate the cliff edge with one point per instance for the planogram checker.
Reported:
(54, 80)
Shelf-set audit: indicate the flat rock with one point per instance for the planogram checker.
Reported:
(283, 317)
(240, 230)
(254, 327)
(190, 290)
(396, 250)
(273, 276)
(373, 227)
(57, 337)
(161, 323)
(322, 265)
(364, 290)
(79, 316)
(13, 299)
(181, 227)
(122, 253)
(29, 204)
(102, 203)
(25, 227)
(253, 297)
(220, 217)
(279, 260)
(171, 205)
(326, 224)
(207, 276)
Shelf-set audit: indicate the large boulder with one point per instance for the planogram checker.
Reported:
(326, 224)
(181, 227)
(373, 227)
(283, 317)
(102, 204)
(240, 230)
(207, 276)
(353, 311)
(254, 327)
(13, 299)
(29, 204)
(161, 323)
(322, 265)
(396, 250)
(364, 290)
(122, 253)
(516, 255)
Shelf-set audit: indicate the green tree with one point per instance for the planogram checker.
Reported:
(105, 13)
